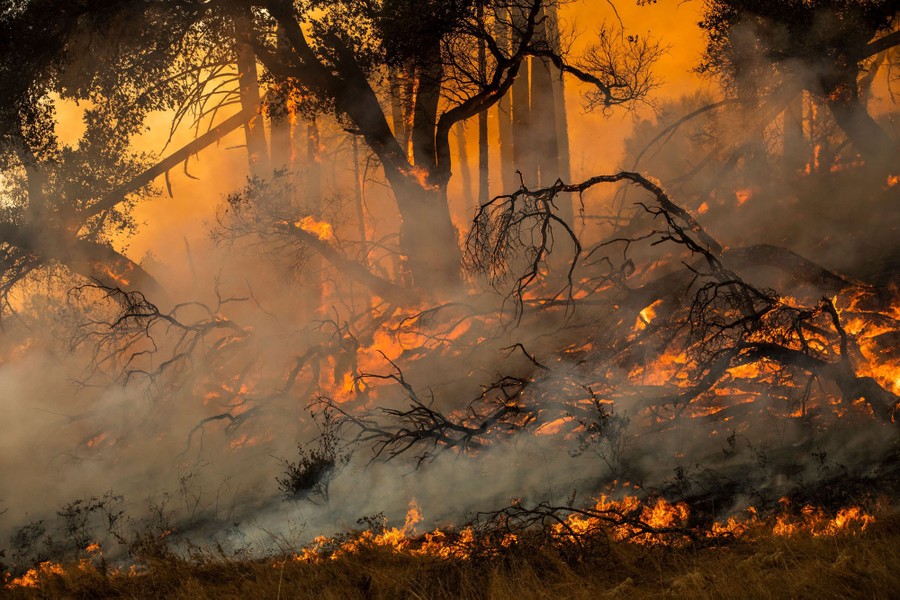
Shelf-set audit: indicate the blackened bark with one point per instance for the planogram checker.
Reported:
(248, 83)
(866, 135)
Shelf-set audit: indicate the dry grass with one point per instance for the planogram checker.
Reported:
(863, 565)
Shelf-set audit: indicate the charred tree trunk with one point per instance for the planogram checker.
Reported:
(429, 76)
(564, 168)
(463, 161)
(401, 90)
(92, 260)
(544, 114)
(483, 158)
(281, 121)
(314, 160)
(796, 147)
(313, 205)
(504, 117)
(523, 149)
(248, 90)
(867, 136)
(358, 202)
(427, 236)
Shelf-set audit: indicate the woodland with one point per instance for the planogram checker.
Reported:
(274, 273)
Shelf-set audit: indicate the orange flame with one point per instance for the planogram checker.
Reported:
(421, 176)
(320, 229)
(646, 315)
(743, 195)
(32, 578)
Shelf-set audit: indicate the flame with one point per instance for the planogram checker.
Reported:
(813, 165)
(627, 519)
(646, 315)
(32, 578)
(743, 195)
(320, 229)
(872, 330)
(96, 440)
(120, 278)
(395, 539)
(815, 522)
(892, 180)
(421, 176)
(553, 427)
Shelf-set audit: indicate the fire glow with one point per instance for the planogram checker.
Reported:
(300, 300)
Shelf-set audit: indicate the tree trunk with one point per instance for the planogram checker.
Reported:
(543, 114)
(428, 239)
(504, 117)
(427, 236)
(463, 161)
(483, 158)
(867, 136)
(281, 120)
(524, 157)
(248, 91)
(564, 169)
(796, 148)
(429, 76)
(313, 275)
(401, 84)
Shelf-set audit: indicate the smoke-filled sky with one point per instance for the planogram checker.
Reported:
(596, 140)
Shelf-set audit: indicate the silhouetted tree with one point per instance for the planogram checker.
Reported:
(822, 46)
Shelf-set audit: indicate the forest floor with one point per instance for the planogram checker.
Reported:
(861, 564)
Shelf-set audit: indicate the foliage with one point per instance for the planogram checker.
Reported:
(758, 45)
(316, 467)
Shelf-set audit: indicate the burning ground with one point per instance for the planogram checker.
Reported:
(357, 375)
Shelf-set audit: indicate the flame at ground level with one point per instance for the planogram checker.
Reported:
(629, 520)
(658, 523)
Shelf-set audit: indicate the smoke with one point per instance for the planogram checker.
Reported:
(180, 421)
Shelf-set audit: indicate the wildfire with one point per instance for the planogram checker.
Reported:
(320, 229)
(629, 520)
(32, 578)
(892, 180)
(815, 522)
(874, 332)
(646, 315)
(743, 195)
(813, 165)
(396, 539)
(96, 440)
(421, 176)
(122, 279)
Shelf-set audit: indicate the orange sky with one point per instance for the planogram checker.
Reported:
(596, 140)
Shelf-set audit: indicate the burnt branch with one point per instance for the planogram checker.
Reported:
(518, 231)
(124, 344)
(423, 428)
